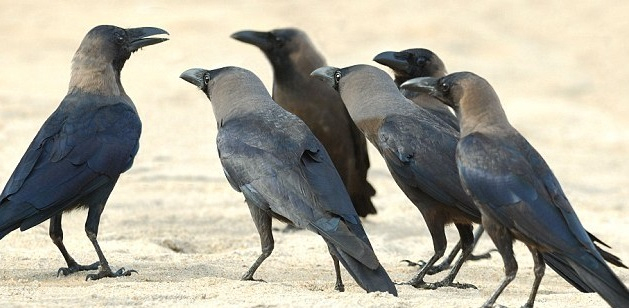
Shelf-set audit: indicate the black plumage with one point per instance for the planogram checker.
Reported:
(517, 193)
(421, 62)
(413, 63)
(293, 57)
(283, 171)
(418, 148)
(80, 151)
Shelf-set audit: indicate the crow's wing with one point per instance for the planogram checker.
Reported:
(422, 154)
(75, 152)
(291, 175)
(501, 177)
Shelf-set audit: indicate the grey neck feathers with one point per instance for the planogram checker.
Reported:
(370, 94)
(234, 94)
(480, 111)
(94, 75)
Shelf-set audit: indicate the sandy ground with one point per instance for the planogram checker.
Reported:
(559, 69)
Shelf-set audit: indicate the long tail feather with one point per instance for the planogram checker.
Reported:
(372, 280)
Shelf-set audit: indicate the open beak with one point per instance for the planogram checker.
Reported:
(141, 37)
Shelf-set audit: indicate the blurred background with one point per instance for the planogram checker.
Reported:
(559, 69)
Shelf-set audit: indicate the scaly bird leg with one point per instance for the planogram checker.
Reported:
(56, 234)
(263, 222)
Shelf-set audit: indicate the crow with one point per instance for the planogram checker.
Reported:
(293, 56)
(517, 193)
(418, 148)
(80, 151)
(284, 172)
(421, 62)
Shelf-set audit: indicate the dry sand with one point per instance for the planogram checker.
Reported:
(559, 69)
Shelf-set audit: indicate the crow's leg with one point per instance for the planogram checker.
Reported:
(263, 222)
(56, 234)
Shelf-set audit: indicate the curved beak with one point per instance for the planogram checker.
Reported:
(140, 37)
(395, 60)
(326, 74)
(421, 84)
(426, 85)
(260, 39)
(194, 76)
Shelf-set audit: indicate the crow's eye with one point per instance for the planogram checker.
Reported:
(444, 87)
(279, 42)
(421, 61)
(206, 79)
(119, 39)
(337, 78)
